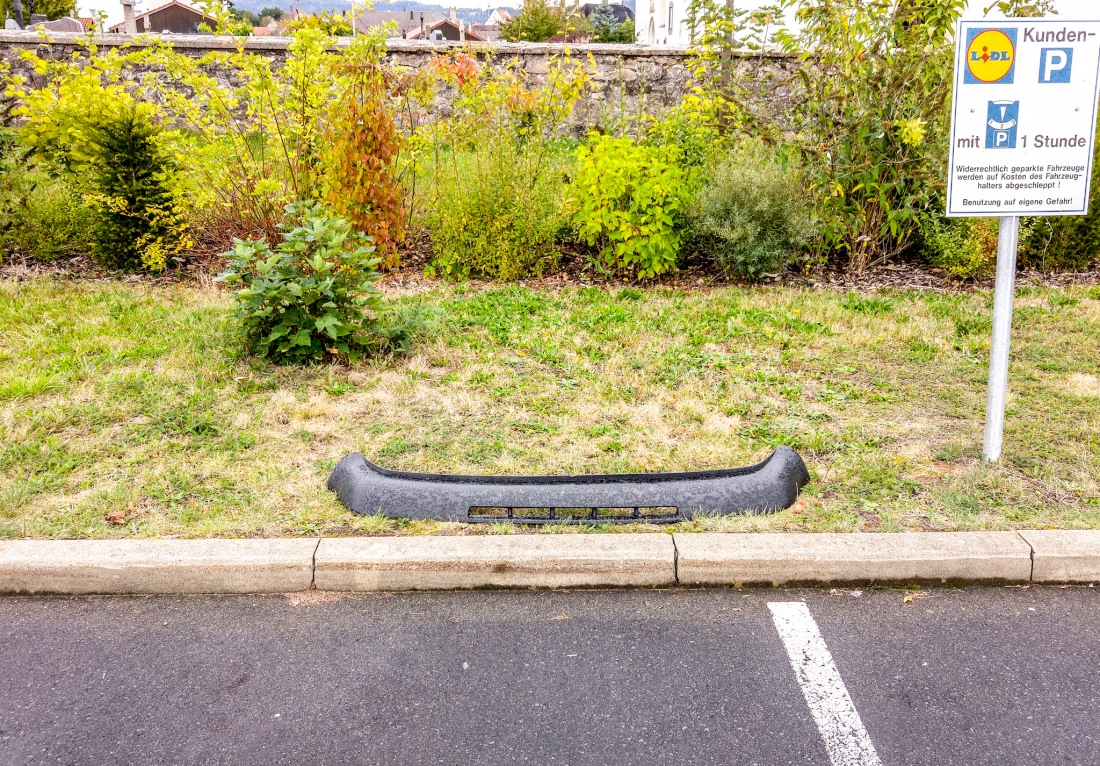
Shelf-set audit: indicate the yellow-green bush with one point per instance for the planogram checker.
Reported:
(966, 248)
(627, 199)
(110, 148)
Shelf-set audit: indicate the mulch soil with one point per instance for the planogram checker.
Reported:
(576, 269)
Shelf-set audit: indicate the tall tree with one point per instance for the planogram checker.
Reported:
(541, 20)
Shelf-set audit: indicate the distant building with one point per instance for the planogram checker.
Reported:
(173, 17)
(498, 17)
(401, 23)
(446, 29)
(489, 32)
(663, 22)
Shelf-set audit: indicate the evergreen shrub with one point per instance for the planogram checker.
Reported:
(752, 215)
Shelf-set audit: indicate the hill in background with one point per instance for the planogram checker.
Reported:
(469, 15)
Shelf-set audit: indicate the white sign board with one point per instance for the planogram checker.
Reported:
(1023, 117)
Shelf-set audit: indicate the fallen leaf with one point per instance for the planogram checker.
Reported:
(560, 617)
(119, 516)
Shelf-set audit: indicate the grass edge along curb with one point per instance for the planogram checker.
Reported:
(77, 567)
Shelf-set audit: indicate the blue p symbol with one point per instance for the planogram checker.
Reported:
(1055, 64)
(1002, 124)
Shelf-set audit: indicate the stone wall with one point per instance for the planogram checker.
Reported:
(628, 77)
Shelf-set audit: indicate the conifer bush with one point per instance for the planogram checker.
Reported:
(137, 222)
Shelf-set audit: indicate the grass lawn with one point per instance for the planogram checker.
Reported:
(132, 398)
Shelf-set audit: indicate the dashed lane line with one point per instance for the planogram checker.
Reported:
(830, 704)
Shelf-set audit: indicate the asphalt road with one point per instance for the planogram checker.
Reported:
(955, 676)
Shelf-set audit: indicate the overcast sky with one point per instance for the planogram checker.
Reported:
(1070, 9)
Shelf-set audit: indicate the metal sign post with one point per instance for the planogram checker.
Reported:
(1008, 240)
(1023, 124)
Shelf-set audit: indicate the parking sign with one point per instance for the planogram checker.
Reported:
(1023, 117)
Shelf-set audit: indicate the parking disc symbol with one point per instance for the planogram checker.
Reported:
(1002, 120)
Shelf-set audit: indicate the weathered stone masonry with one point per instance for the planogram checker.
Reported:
(628, 77)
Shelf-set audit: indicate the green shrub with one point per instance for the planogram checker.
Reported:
(752, 215)
(41, 214)
(627, 199)
(1068, 242)
(1064, 243)
(497, 215)
(49, 220)
(869, 103)
(311, 297)
(12, 185)
(966, 248)
(11, 170)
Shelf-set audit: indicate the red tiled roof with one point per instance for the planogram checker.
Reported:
(470, 36)
(122, 24)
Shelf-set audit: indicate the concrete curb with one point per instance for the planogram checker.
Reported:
(1064, 555)
(778, 559)
(156, 566)
(542, 561)
(504, 561)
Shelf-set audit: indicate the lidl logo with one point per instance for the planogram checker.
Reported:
(990, 56)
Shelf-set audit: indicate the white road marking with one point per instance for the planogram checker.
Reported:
(845, 738)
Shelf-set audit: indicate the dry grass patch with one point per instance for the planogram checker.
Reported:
(137, 398)
(1079, 384)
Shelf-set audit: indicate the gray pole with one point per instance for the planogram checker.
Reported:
(1008, 240)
